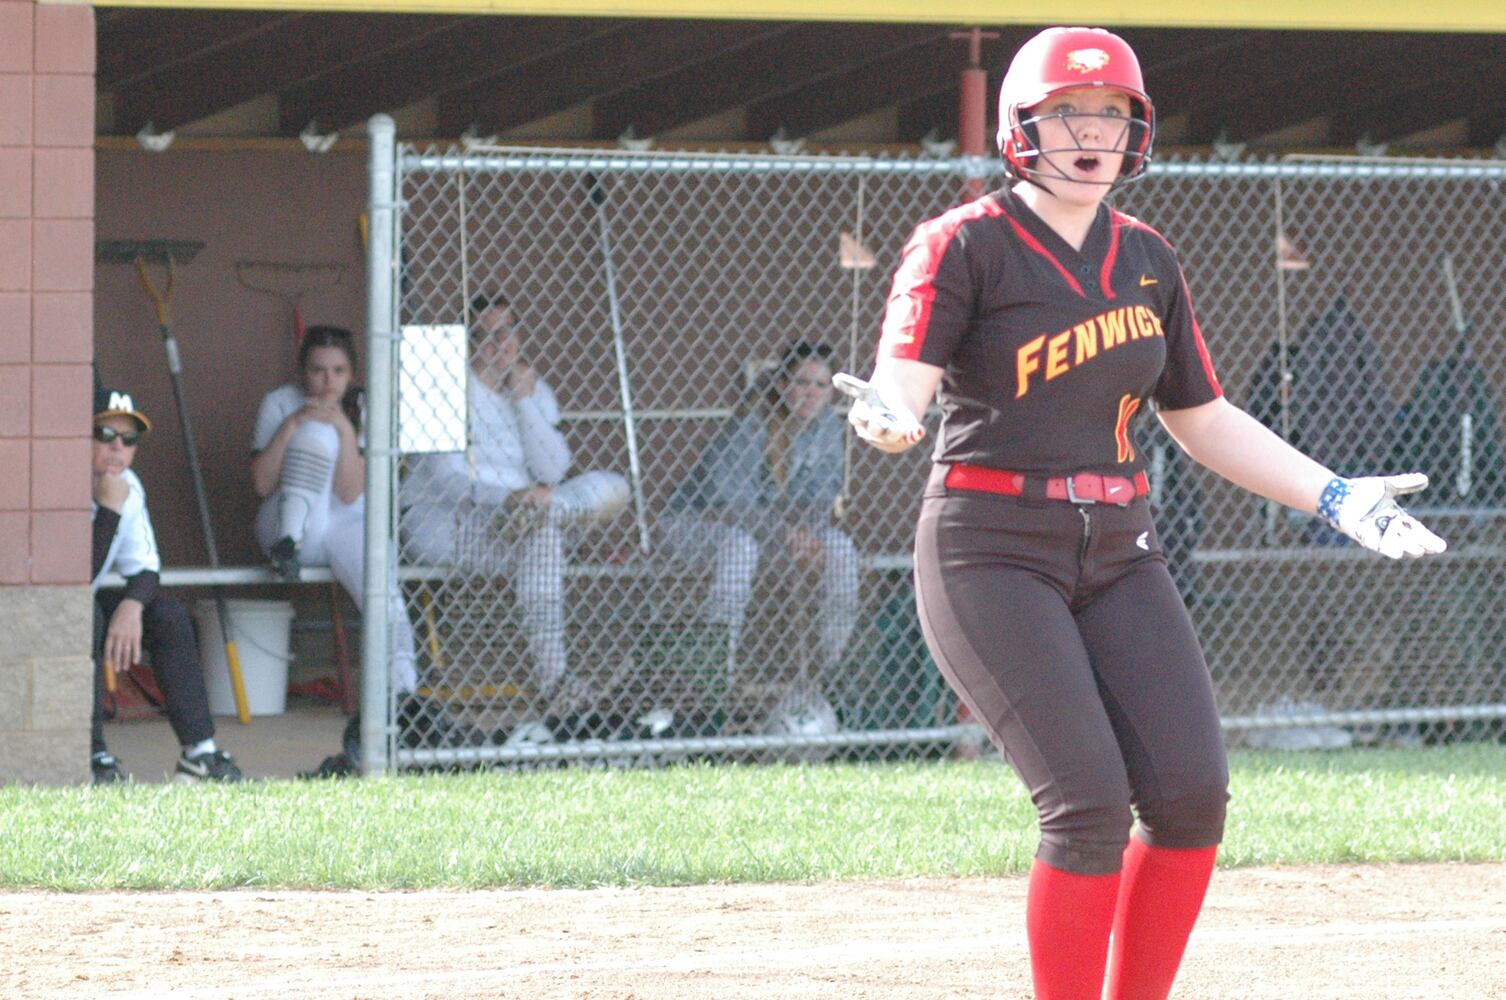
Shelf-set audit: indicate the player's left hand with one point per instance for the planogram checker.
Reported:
(1366, 510)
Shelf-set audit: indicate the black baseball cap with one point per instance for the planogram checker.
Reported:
(114, 403)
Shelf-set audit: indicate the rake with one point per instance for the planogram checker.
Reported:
(288, 282)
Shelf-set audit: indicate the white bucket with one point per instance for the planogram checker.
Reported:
(263, 635)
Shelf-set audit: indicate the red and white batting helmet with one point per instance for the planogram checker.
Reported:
(1060, 59)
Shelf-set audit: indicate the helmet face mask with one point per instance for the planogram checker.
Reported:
(1065, 59)
(1128, 137)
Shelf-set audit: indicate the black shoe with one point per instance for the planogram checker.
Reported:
(334, 766)
(350, 742)
(285, 559)
(425, 723)
(216, 765)
(106, 768)
(592, 725)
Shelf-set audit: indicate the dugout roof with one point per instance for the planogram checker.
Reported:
(272, 72)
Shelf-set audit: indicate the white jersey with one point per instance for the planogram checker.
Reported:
(514, 444)
(276, 406)
(134, 548)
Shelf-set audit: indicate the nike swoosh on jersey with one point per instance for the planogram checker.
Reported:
(1146, 279)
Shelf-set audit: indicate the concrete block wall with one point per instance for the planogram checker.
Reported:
(46, 347)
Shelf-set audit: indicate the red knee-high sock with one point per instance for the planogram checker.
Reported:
(1067, 917)
(1160, 893)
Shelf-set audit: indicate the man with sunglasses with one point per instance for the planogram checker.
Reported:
(140, 617)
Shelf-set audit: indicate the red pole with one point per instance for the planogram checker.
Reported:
(972, 108)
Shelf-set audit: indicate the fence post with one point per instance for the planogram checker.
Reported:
(381, 327)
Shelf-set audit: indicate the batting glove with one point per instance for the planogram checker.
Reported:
(875, 418)
(1365, 509)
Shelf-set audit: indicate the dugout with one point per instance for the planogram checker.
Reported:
(238, 86)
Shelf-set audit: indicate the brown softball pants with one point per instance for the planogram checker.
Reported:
(1059, 627)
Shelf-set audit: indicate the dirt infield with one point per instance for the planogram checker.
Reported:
(1295, 934)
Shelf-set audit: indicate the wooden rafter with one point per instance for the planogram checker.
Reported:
(598, 65)
(291, 50)
(1463, 88)
(912, 72)
(936, 112)
(135, 44)
(1302, 83)
(763, 68)
(501, 72)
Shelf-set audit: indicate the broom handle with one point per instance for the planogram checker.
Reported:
(161, 302)
(175, 369)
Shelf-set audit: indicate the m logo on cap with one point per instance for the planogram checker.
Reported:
(121, 401)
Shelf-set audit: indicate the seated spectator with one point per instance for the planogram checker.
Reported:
(141, 618)
(504, 507)
(306, 464)
(764, 489)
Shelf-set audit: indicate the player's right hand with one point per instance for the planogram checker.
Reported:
(322, 410)
(883, 423)
(111, 490)
(123, 636)
(521, 380)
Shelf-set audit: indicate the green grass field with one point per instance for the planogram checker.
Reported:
(688, 825)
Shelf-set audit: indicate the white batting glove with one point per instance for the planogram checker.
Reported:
(885, 423)
(1365, 509)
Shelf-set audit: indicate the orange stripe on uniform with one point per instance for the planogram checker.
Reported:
(1127, 407)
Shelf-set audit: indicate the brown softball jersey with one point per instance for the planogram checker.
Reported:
(1049, 352)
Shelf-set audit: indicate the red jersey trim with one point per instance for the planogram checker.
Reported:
(1202, 348)
(907, 316)
(1036, 245)
(1197, 330)
(1106, 276)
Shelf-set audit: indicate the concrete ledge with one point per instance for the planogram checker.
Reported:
(46, 690)
(62, 693)
(38, 623)
(45, 757)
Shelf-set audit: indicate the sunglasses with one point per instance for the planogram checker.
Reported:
(104, 435)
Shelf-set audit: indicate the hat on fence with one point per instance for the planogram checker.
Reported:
(114, 403)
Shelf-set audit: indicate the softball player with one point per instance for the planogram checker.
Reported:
(307, 467)
(1046, 319)
(505, 507)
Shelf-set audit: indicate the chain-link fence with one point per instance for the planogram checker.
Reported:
(632, 527)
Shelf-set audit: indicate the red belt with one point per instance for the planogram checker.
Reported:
(1083, 487)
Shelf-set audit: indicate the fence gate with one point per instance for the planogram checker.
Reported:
(719, 570)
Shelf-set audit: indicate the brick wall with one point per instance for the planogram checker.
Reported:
(46, 346)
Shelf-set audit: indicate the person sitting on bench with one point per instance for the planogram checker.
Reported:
(141, 617)
(506, 506)
(308, 468)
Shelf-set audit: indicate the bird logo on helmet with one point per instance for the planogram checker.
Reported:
(1087, 60)
(1061, 59)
